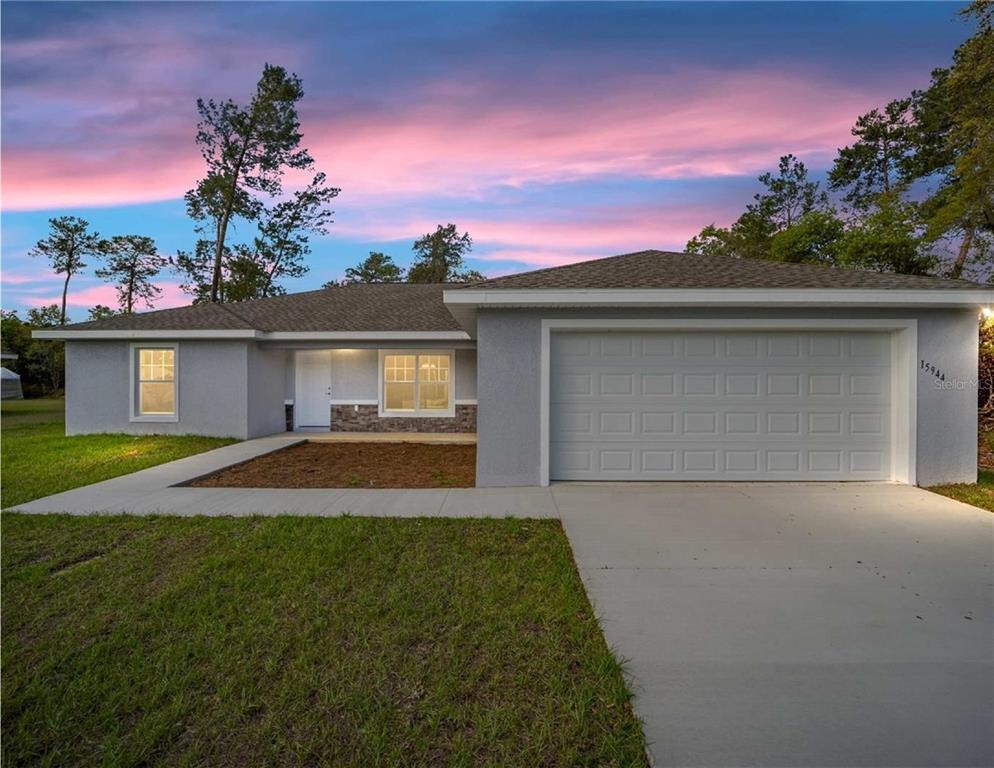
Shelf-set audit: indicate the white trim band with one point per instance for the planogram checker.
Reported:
(364, 336)
(682, 297)
(70, 335)
(387, 336)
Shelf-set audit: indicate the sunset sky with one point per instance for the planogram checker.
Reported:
(551, 132)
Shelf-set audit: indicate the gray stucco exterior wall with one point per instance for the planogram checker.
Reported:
(509, 381)
(226, 388)
(353, 374)
(213, 390)
(266, 377)
(947, 411)
(465, 374)
(507, 416)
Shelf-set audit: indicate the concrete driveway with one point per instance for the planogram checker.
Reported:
(795, 625)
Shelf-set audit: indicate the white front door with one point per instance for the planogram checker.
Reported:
(312, 399)
(720, 406)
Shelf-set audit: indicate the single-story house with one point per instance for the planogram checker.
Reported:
(645, 366)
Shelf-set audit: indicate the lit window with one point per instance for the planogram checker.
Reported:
(399, 383)
(156, 382)
(417, 384)
(433, 382)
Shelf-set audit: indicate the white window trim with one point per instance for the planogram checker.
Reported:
(417, 414)
(133, 414)
(904, 370)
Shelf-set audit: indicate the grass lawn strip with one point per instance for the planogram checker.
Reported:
(353, 465)
(39, 460)
(333, 641)
(979, 495)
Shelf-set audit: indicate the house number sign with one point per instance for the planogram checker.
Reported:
(937, 372)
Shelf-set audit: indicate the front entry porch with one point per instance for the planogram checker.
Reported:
(373, 390)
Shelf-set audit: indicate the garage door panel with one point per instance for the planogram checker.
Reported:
(712, 406)
(610, 347)
(672, 383)
(631, 461)
(649, 422)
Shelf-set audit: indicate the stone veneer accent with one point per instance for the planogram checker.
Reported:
(345, 418)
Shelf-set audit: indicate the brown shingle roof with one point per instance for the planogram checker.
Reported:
(360, 307)
(391, 307)
(665, 269)
(197, 317)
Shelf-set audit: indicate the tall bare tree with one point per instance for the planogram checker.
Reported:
(69, 241)
(131, 263)
(247, 150)
(285, 229)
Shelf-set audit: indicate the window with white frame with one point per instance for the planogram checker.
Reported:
(155, 385)
(418, 384)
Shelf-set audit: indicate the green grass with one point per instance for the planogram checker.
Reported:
(302, 641)
(979, 495)
(38, 459)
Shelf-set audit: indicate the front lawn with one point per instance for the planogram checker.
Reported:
(302, 641)
(979, 495)
(39, 460)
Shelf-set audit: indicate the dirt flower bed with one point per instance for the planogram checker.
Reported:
(353, 465)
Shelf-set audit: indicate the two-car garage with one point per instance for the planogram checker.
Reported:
(655, 366)
(721, 405)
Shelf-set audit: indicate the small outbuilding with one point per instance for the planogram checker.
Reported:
(10, 385)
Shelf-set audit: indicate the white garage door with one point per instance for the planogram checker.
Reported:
(719, 406)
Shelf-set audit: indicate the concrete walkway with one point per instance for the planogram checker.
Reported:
(763, 624)
(159, 490)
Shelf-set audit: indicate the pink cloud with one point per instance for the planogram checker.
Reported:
(463, 140)
(42, 180)
(550, 238)
(698, 124)
(13, 278)
(171, 296)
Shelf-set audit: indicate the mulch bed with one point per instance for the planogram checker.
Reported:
(353, 465)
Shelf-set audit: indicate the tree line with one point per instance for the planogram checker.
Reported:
(131, 262)
(915, 188)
